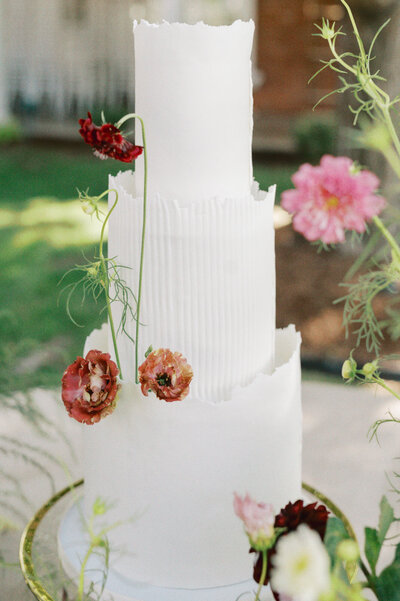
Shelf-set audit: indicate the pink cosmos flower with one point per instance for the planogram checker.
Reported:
(258, 519)
(331, 198)
(167, 374)
(89, 387)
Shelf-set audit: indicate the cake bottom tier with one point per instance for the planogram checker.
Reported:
(170, 471)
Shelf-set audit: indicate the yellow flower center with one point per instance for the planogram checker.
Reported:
(331, 203)
(301, 564)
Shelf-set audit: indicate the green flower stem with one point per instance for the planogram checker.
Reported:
(139, 293)
(383, 384)
(355, 29)
(385, 232)
(392, 158)
(81, 584)
(263, 575)
(338, 58)
(106, 278)
(96, 540)
(393, 134)
(379, 96)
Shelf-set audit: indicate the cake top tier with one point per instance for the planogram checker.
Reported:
(193, 90)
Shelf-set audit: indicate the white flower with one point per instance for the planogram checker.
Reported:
(300, 568)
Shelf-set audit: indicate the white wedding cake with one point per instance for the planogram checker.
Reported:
(208, 292)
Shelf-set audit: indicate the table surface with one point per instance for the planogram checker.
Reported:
(347, 467)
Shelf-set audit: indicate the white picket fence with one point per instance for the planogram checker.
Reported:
(63, 56)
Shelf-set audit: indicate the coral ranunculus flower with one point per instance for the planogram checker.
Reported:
(332, 197)
(291, 517)
(89, 387)
(107, 141)
(167, 374)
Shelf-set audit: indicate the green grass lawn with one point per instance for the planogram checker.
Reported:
(43, 233)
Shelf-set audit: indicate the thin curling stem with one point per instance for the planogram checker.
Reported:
(107, 280)
(385, 232)
(139, 294)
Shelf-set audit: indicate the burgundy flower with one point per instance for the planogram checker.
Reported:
(108, 141)
(167, 374)
(290, 517)
(89, 387)
(294, 514)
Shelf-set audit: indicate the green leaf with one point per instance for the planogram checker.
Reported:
(387, 584)
(372, 547)
(386, 519)
(335, 532)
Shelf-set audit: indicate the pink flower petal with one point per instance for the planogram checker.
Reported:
(329, 199)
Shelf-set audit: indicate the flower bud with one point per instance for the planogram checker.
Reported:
(347, 550)
(349, 369)
(99, 507)
(258, 519)
(94, 269)
(87, 208)
(369, 369)
(327, 30)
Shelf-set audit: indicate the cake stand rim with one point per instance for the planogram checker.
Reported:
(26, 543)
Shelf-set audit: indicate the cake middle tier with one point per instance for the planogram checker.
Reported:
(208, 283)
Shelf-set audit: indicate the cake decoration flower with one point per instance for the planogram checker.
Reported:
(291, 517)
(89, 387)
(301, 566)
(167, 374)
(108, 141)
(332, 197)
(294, 514)
(258, 519)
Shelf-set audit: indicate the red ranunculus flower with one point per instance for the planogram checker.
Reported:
(108, 141)
(89, 387)
(167, 374)
(290, 517)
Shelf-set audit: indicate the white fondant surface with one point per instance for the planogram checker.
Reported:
(208, 284)
(72, 547)
(193, 90)
(172, 468)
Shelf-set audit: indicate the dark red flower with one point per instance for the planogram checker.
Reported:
(294, 514)
(89, 387)
(108, 141)
(290, 518)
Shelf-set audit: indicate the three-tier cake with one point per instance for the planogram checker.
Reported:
(209, 293)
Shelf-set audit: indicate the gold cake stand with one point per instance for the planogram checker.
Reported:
(38, 552)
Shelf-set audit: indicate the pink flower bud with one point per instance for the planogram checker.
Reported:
(258, 519)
